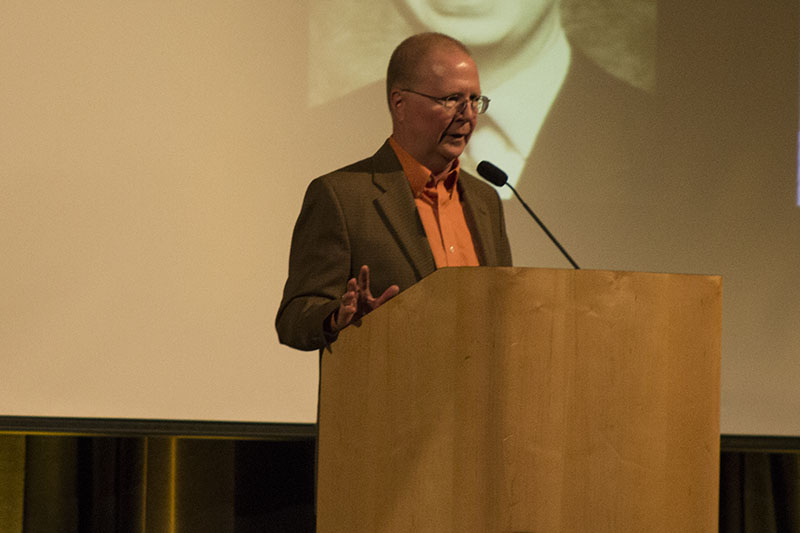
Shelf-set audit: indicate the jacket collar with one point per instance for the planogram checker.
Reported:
(399, 210)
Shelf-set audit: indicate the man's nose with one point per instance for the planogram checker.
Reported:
(466, 109)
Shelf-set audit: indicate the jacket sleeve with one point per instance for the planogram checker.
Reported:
(319, 267)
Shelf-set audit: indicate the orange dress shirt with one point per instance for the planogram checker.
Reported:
(440, 210)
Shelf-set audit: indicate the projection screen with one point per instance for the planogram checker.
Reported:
(153, 157)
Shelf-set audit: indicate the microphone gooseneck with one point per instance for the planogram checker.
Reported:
(497, 177)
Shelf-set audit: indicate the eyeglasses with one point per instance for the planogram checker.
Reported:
(456, 102)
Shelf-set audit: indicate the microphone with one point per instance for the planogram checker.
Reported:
(492, 174)
(498, 178)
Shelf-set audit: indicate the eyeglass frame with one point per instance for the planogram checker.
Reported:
(456, 101)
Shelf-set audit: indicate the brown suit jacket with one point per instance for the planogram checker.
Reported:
(364, 214)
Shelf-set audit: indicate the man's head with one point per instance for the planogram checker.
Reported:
(438, 67)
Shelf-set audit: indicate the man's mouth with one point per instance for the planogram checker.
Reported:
(454, 135)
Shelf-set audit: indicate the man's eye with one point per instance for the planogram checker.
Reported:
(453, 99)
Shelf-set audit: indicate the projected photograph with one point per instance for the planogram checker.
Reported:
(151, 185)
(560, 74)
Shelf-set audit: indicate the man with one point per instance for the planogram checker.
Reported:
(380, 225)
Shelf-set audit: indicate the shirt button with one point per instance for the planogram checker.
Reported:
(452, 249)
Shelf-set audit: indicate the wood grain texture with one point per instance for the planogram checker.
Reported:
(511, 399)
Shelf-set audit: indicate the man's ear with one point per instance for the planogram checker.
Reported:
(397, 103)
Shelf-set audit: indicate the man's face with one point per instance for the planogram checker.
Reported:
(435, 136)
(480, 22)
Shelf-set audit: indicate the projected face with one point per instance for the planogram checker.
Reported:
(435, 136)
(481, 22)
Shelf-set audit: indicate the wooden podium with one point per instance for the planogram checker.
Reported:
(514, 399)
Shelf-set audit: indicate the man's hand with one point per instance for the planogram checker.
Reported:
(357, 301)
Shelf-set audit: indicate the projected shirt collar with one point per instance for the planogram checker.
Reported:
(520, 105)
(507, 133)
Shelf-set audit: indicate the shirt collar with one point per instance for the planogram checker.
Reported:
(520, 104)
(419, 176)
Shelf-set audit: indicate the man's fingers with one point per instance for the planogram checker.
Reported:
(363, 282)
(349, 299)
(391, 292)
(345, 316)
(363, 300)
(348, 305)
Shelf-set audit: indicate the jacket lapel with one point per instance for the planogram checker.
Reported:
(479, 221)
(396, 205)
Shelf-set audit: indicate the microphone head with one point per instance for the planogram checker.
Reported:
(492, 174)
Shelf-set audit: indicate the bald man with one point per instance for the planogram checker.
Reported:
(374, 228)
